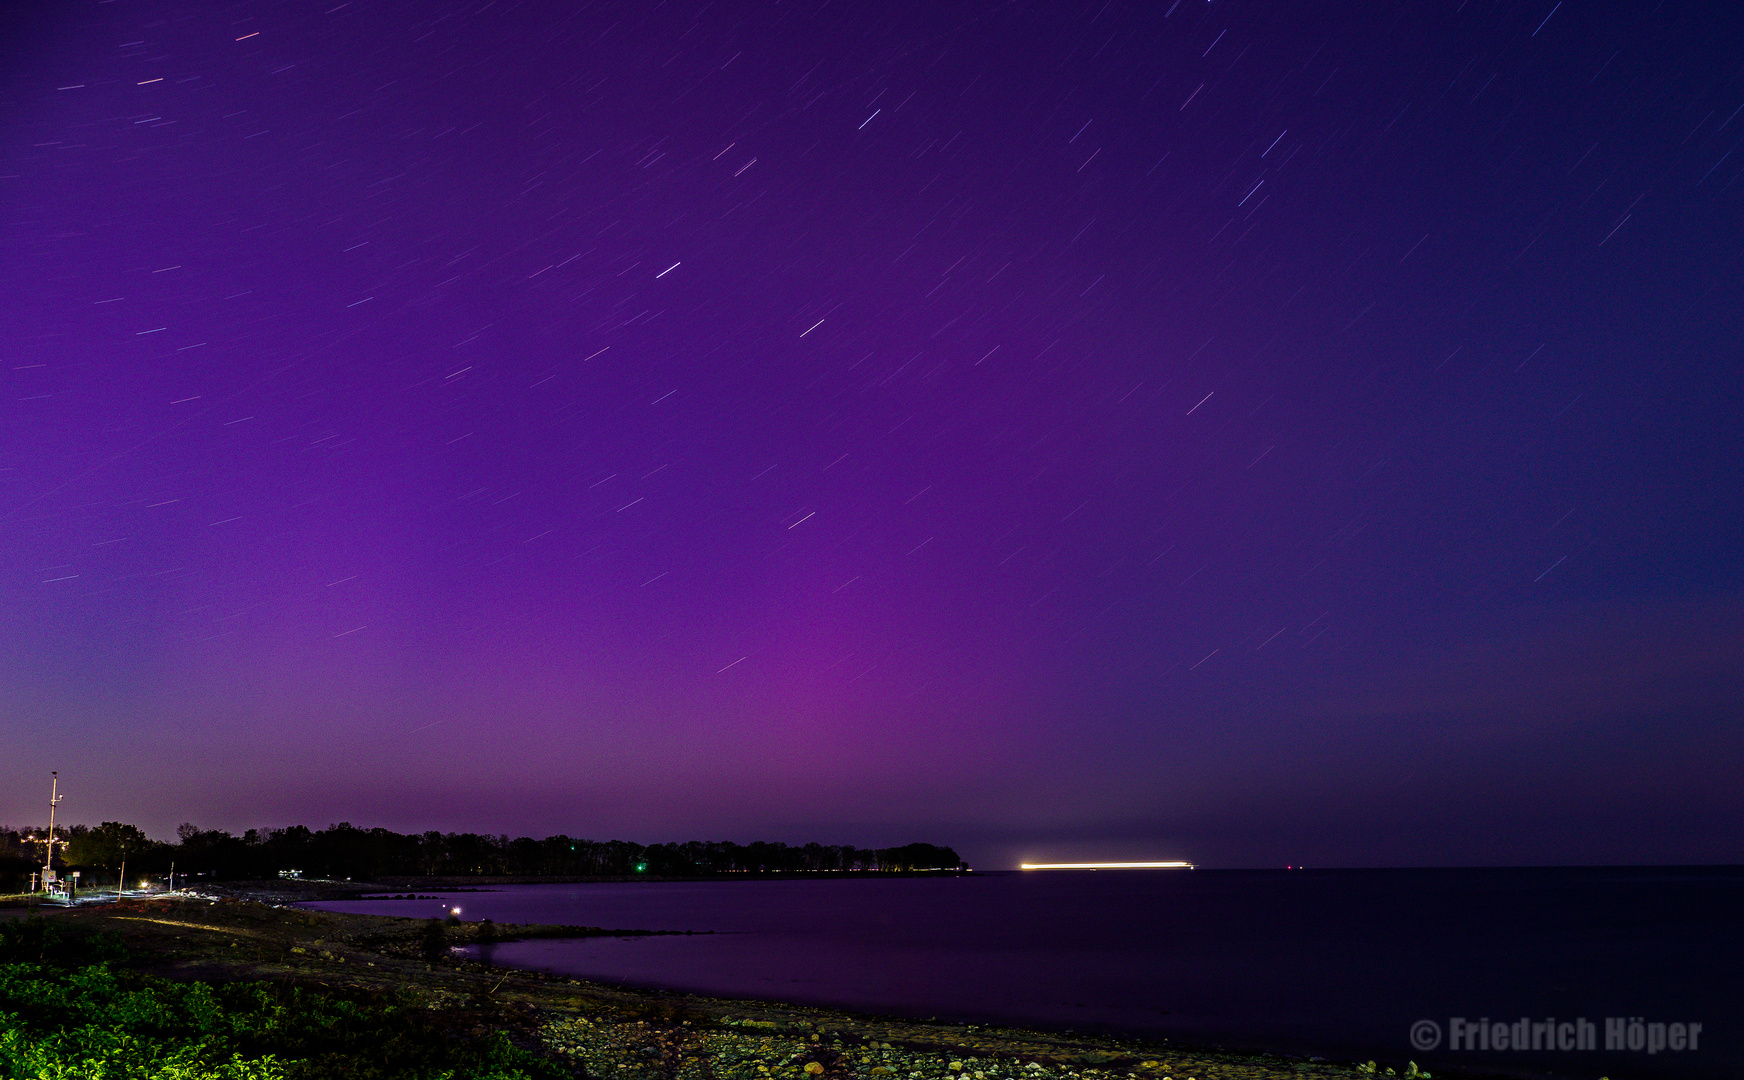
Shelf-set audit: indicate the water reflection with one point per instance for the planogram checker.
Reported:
(487, 942)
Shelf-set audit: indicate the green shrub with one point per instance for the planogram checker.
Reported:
(96, 1021)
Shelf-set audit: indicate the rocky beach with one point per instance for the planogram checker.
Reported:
(248, 934)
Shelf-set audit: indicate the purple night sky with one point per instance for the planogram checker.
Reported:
(1246, 432)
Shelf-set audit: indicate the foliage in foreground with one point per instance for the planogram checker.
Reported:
(67, 1011)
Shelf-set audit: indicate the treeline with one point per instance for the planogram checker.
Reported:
(346, 851)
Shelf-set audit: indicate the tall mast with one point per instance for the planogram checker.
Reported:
(54, 799)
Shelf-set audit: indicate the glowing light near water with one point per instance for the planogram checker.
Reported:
(1108, 866)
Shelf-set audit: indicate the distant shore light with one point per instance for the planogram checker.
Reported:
(1108, 866)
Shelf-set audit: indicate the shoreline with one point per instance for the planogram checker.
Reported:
(595, 1024)
(607, 1029)
(310, 889)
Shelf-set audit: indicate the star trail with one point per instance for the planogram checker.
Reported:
(1235, 432)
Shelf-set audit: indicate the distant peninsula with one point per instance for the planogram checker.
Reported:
(346, 851)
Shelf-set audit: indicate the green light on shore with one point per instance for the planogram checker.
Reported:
(641, 868)
(1109, 866)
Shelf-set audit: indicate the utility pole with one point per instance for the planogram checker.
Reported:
(121, 882)
(54, 800)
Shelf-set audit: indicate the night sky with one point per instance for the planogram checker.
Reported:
(1247, 432)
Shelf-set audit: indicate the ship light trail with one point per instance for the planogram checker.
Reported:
(1108, 866)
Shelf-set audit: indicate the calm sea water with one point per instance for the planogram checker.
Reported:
(1333, 963)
